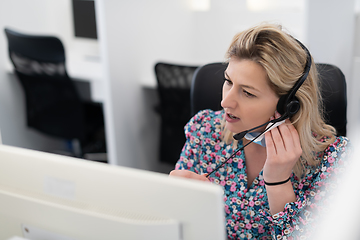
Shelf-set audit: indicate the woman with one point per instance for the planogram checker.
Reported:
(273, 190)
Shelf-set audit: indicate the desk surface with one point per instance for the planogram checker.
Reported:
(84, 67)
(88, 68)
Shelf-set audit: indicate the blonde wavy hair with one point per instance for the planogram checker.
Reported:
(284, 61)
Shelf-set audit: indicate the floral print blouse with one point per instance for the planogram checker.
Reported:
(247, 210)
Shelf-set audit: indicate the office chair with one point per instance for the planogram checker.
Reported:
(206, 92)
(333, 92)
(173, 86)
(53, 105)
(206, 87)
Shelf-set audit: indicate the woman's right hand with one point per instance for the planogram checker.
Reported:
(189, 174)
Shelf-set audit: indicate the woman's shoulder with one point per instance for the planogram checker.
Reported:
(340, 144)
(337, 151)
(332, 162)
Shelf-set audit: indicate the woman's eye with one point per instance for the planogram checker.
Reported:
(248, 94)
(227, 81)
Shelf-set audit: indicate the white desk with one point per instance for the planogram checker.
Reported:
(87, 68)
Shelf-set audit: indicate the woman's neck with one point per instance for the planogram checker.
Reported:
(255, 157)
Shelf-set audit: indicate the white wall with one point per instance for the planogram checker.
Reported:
(213, 30)
(207, 34)
(330, 32)
(354, 98)
(331, 38)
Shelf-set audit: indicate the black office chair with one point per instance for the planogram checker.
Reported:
(53, 105)
(206, 87)
(206, 92)
(173, 87)
(333, 92)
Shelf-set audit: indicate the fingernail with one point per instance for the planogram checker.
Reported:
(277, 114)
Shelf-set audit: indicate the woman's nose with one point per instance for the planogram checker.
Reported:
(228, 99)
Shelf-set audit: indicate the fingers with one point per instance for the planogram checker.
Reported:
(285, 136)
(270, 147)
(277, 139)
(296, 147)
(283, 150)
(290, 137)
(283, 139)
(295, 135)
(189, 174)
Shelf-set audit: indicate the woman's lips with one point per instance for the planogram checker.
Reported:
(231, 118)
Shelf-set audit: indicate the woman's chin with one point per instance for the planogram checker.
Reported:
(232, 128)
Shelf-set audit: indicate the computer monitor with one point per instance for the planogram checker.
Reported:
(84, 18)
(54, 197)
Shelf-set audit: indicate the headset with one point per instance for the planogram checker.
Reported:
(288, 105)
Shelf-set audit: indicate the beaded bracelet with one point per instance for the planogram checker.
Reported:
(277, 183)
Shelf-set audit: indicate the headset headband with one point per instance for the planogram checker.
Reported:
(306, 71)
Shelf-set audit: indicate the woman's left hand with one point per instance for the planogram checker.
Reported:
(283, 150)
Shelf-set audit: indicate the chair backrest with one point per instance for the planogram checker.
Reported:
(174, 83)
(170, 75)
(206, 87)
(206, 92)
(333, 92)
(53, 104)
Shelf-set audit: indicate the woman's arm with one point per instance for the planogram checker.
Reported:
(279, 196)
(312, 193)
(188, 174)
(283, 150)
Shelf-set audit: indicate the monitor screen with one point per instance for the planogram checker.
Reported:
(84, 18)
(53, 197)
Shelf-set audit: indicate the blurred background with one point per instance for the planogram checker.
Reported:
(111, 58)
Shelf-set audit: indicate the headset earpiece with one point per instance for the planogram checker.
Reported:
(292, 107)
(288, 107)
